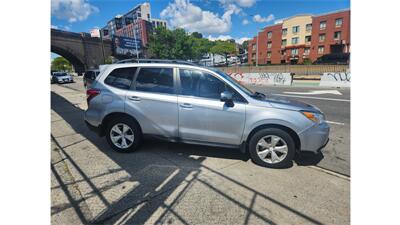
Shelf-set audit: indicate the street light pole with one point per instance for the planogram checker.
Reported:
(136, 44)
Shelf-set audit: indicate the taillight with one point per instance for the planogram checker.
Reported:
(91, 93)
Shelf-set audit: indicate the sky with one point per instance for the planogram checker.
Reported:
(215, 19)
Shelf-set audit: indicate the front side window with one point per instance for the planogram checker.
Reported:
(200, 84)
(269, 34)
(295, 51)
(295, 40)
(158, 80)
(269, 54)
(269, 44)
(284, 42)
(121, 77)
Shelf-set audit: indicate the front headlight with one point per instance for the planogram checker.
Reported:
(316, 117)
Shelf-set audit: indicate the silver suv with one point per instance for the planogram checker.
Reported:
(183, 102)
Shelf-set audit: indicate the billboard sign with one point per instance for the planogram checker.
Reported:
(126, 46)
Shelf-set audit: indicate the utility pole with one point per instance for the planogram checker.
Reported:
(102, 46)
(257, 48)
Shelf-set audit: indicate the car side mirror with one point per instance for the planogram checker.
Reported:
(227, 97)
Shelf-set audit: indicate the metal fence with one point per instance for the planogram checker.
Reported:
(296, 69)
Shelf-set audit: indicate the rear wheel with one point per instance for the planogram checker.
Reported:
(272, 147)
(123, 134)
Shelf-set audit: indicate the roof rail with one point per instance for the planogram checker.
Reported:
(133, 60)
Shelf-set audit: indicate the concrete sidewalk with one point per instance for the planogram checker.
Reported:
(178, 183)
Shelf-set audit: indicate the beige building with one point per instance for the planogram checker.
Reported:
(296, 29)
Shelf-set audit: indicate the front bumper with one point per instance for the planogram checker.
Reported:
(315, 138)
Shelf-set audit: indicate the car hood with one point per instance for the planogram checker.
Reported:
(290, 104)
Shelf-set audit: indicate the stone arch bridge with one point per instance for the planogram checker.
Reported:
(81, 50)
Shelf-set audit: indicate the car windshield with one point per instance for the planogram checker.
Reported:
(236, 83)
(60, 74)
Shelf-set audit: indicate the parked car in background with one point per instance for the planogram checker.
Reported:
(183, 102)
(89, 77)
(62, 77)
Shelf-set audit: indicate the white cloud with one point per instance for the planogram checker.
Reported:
(245, 22)
(241, 40)
(242, 3)
(227, 37)
(54, 26)
(72, 10)
(182, 13)
(259, 19)
(66, 27)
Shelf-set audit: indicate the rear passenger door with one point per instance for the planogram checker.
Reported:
(152, 100)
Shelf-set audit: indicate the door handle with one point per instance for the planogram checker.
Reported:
(134, 98)
(186, 105)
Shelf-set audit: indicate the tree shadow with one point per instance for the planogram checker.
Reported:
(158, 176)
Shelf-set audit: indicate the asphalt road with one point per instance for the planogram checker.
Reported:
(334, 102)
(172, 183)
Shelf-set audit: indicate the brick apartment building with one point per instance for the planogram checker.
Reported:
(302, 37)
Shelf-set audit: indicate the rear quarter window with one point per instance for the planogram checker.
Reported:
(121, 77)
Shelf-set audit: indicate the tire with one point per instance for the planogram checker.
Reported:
(117, 124)
(270, 160)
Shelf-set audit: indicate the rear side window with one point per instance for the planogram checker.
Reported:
(159, 80)
(121, 77)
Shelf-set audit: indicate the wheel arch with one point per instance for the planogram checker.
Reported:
(113, 115)
(290, 131)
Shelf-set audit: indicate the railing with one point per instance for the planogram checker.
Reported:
(296, 69)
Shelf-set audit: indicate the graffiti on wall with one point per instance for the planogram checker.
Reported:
(263, 78)
(335, 79)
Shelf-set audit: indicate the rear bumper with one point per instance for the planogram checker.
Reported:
(315, 138)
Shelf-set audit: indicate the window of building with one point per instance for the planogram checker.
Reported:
(158, 80)
(321, 49)
(284, 32)
(306, 51)
(309, 27)
(254, 47)
(339, 22)
(283, 42)
(321, 37)
(121, 77)
(295, 40)
(308, 39)
(337, 35)
(139, 15)
(296, 29)
(269, 34)
(322, 25)
(295, 51)
(269, 54)
(269, 44)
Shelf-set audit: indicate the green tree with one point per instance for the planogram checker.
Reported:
(109, 60)
(245, 45)
(61, 64)
(197, 35)
(224, 48)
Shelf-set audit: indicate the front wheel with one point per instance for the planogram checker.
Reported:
(123, 134)
(272, 147)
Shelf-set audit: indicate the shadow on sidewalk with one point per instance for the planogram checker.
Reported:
(158, 175)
